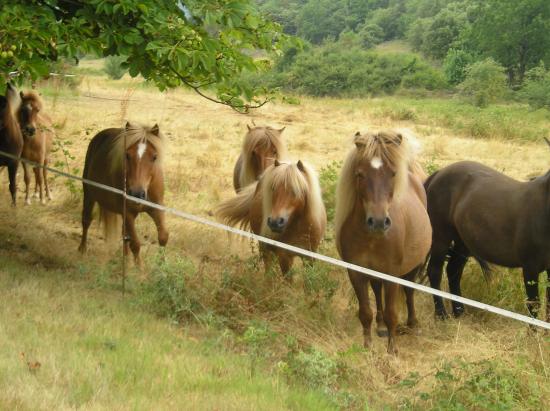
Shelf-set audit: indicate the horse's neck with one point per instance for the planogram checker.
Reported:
(10, 130)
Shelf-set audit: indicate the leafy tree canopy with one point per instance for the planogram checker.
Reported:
(197, 43)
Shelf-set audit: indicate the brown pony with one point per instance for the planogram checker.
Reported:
(381, 223)
(261, 147)
(285, 205)
(37, 131)
(479, 212)
(11, 140)
(106, 160)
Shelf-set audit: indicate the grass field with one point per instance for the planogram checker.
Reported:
(204, 328)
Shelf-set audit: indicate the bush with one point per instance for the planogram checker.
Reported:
(335, 70)
(113, 67)
(328, 178)
(455, 65)
(485, 82)
(536, 90)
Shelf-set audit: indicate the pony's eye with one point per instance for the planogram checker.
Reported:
(128, 156)
(154, 157)
(359, 175)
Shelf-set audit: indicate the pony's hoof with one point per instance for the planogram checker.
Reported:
(458, 312)
(28, 201)
(406, 329)
(441, 315)
(392, 349)
(43, 202)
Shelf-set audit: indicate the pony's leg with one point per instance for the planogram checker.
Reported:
(455, 267)
(531, 281)
(87, 208)
(132, 234)
(158, 218)
(391, 291)
(360, 285)
(45, 176)
(267, 257)
(27, 179)
(412, 321)
(12, 175)
(381, 329)
(435, 271)
(285, 263)
(548, 296)
(38, 179)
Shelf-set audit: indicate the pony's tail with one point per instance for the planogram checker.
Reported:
(485, 269)
(236, 210)
(111, 223)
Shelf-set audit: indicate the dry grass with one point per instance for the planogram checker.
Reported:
(204, 141)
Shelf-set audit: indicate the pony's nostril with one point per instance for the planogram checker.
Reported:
(370, 222)
(387, 223)
(281, 221)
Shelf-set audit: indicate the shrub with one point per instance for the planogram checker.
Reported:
(455, 65)
(536, 90)
(113, 67)
(328, 178)
(318, 282)
(485, 82)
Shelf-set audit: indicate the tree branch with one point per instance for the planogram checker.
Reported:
(244, 107)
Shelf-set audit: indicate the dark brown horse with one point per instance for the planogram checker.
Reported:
(261, 147)
(381, 223)
(38, 135)
(11, 140)
(477, 211)
(106, 160)
(286, 205)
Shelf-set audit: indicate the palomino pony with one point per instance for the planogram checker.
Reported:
(285, 205)
(11, 140)
(381, 223)
(107, 159)
(38, 136)
(261, 147)
(482, 213)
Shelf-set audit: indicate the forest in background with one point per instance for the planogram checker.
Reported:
(487, 50)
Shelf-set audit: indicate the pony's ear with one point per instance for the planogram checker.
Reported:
(276, 163)
(399, 139)
(301, 166)
(547, 141)
(155, 130)
(357, 134)
(358, 141)
(22, 95)
(248, 127)
(128, 126)
(281, 130)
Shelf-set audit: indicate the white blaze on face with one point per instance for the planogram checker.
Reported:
(141, 149)
(376, 163)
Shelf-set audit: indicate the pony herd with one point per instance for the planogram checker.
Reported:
(389, 217)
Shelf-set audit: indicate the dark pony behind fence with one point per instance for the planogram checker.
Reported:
(479, 212)
(261, 147)
(381, 223)
(11, 140)
(37, 130)
(285, 205)
(107, 160)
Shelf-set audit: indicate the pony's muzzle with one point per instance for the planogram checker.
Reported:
(277, 224)
(29, 131)
(378, 225)
(140, 193)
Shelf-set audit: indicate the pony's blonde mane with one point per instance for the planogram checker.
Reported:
(304, 184)
(259, 136)
(395, 148)
(132, 134)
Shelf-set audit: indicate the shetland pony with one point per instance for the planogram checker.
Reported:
(477, 211)
(285, 205)
(11, 140)
(37, 130)
(381, 223)
(261, 147)
(107, 159)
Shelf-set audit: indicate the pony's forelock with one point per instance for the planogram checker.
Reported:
(259, 136)
(34, 99)
(304, 184)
